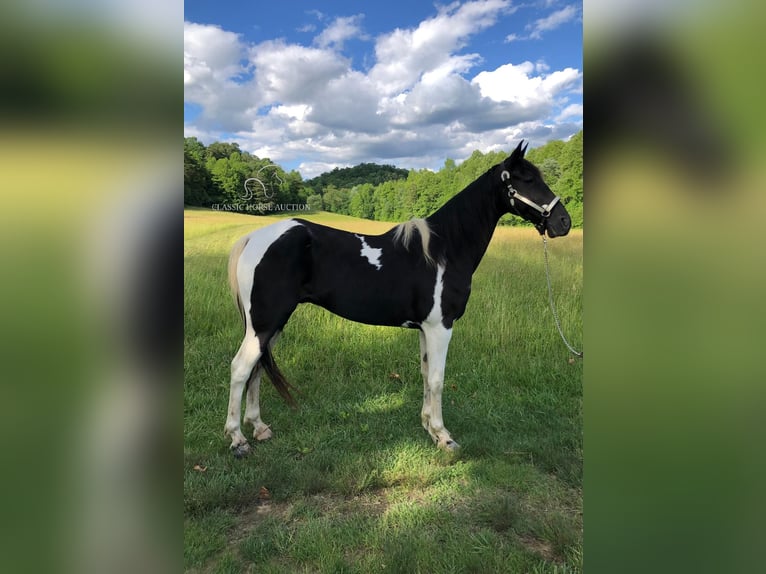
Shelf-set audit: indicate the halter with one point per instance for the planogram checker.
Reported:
(544, 209)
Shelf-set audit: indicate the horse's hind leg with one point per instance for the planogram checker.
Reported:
(261, 430)
(242, 367)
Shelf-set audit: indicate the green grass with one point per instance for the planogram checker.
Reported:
(354, 483)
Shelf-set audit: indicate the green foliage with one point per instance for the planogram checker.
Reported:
(336, 200)
(198, 183)
(348, 177)
(217, 174)
(315, 202)
(361, 204)
(423, 192)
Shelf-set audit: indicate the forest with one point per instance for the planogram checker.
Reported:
(219, 174)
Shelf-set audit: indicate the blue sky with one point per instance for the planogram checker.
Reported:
(316, 85)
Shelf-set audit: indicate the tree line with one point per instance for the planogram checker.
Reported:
(218, 174)
(221, 174)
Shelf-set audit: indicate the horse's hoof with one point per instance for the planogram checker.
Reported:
(265, 434)
(241, 450)
(449, 445)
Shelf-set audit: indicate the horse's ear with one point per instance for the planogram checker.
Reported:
(524, 149)
(518, 153)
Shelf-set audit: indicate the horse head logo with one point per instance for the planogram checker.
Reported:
(263, 185)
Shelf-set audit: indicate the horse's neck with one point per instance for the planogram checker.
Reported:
(465, 224)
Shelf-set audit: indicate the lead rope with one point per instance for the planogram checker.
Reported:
(553, 307)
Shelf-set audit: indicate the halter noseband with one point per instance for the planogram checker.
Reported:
(544, 210)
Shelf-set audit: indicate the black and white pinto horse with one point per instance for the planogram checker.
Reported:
(416, 275)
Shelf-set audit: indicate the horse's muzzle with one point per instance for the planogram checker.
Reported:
(558, 225)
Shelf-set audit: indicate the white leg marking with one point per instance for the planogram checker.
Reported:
(425, 413)
(261, 431)
(437, 344)
(437, 338)
(371, 253)
(241, 367)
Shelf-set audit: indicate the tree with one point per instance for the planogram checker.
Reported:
(551, 170)
(336, 200)
(361, 202)
(314, 202)
(349, 177)
(197, 182)
(221, 150)
(199, 188)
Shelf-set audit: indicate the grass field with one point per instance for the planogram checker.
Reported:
(351, 482)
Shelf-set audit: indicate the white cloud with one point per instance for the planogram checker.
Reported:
(349, 102)
(339, 31)
(571, 111)
(553, 21)
(213, 60)
(290, 73)
(416, 105)
(210, 53)
(517, 84)
(404, 55)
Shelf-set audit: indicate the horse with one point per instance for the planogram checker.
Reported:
(416, 275)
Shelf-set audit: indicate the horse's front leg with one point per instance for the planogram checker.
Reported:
(437, 343)
(425, 413)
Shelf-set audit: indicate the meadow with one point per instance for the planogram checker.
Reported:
(350, 481)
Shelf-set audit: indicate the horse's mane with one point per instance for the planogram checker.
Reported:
(403, 234)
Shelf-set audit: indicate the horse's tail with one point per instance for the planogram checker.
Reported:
(277, 378)
(236, 251)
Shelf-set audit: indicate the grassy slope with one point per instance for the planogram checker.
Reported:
(351, 482)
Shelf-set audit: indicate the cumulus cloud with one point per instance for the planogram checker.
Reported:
(213, 64)
(210, 53)
(403, 56)
(517, 84)
(421, 100)
(291, 73)
(339, 31)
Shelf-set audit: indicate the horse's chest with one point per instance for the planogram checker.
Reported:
(455, 296)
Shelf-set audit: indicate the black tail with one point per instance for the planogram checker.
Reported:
(277, 378)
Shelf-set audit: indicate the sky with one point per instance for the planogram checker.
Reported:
(317, 85)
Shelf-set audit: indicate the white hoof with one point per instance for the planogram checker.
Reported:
(264, 433)
(448, 444)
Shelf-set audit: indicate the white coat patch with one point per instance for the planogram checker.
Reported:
(371, 253)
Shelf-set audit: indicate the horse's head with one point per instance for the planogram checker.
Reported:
(525, 194)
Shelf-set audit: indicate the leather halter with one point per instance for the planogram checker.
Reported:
(544, 210)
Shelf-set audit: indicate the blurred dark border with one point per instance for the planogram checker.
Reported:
(674, 179)
(92, 294)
